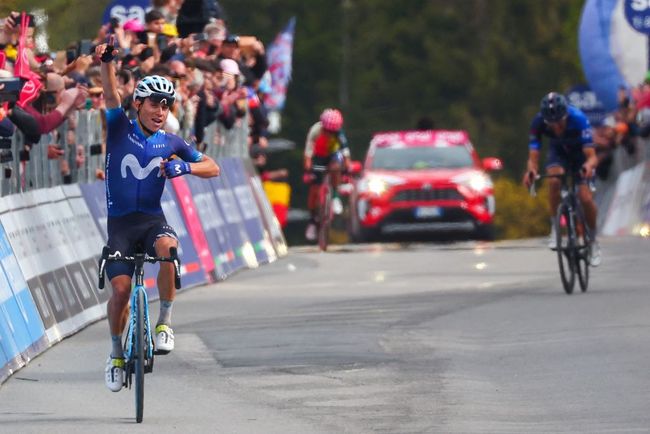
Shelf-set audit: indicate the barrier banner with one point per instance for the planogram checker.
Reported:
(71, 243)
(36, 238)
(59, 271)
(213, 225)
(66, 273)
(87, 241)
(94, 195)
(623, 211)
(6, 368)
(644, 196)
(238, 180)
(193, 224)
(24, 255)
(244, 252)
(22, 335)
(30, 333)
(192, 273)
(269, 219)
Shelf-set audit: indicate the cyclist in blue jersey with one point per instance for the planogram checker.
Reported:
(571, 149)
(140, 156)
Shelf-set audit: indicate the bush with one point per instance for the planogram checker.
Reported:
(519, 215)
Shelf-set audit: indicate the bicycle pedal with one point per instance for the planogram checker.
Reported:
(161, 352)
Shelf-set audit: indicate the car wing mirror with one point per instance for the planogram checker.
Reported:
(492, 164)
(355, 168)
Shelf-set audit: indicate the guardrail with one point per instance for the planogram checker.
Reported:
(623, 199)
(27, 167)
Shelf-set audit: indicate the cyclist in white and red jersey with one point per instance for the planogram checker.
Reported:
(326, 149)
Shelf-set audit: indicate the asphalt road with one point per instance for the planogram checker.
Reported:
(429, 338)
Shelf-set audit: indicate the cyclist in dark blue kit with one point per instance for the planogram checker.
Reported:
(139, 158)
(571, 149)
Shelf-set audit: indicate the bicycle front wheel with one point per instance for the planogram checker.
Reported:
(139, 356)
(583, 256)
(325, 214)
(565, 233)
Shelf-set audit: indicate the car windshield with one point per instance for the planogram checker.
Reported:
(421, 158)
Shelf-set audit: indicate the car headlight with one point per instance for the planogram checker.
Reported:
(477, 182)
(378, 185)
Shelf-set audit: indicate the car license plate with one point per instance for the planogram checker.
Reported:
(423, 212)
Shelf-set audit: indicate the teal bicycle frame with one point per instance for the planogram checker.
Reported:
(138, 345)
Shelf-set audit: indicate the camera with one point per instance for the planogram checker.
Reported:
(6, 156)
(114, 23)
(11, 89)
(5, 142)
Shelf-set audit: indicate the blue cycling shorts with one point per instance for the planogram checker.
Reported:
(570, 162)
(127, 232)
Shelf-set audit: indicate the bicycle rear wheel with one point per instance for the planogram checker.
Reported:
(324, 214)
(139, 355)
(565, 247)
(583, 255)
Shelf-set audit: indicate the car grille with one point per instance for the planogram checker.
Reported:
(415, 195)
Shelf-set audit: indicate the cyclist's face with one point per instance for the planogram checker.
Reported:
(152, 114)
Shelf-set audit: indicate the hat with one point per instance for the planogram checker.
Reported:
(231, 39)
(96, 90)
(169, 30)
(229, 66)
(133, 25)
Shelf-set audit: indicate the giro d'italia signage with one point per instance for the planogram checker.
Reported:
(583, 97)
(637, 13)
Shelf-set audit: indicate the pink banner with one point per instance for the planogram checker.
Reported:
(193, 223)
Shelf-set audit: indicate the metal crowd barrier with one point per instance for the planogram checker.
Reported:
(25, 166)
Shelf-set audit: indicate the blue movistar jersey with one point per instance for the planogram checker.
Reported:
(133, 179)
(576, 136)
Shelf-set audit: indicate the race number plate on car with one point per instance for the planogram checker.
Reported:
(423, 212)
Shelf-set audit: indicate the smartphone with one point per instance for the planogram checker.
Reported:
(162, 41)
(198, 37)
(85, 47)
(70, 56)
(11, 89)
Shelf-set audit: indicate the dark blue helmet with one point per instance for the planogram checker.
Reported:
(553, 107)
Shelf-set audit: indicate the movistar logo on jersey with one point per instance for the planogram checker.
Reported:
(134, 139)
(138, 171)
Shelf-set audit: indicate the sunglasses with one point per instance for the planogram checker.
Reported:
(554, 122)
(161, 98)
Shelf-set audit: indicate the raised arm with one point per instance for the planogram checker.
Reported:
(107, 53)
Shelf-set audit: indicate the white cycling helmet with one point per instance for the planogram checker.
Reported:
(158, 88)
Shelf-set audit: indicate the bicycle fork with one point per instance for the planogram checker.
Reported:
(130, 336)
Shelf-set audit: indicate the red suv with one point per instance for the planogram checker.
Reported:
(425, 182)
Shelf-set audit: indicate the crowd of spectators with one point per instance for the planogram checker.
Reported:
(621, 128)
(219, 76)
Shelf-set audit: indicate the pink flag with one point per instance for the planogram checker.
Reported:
(30, 89)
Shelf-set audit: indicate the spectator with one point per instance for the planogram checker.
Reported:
(168, 9)
(193, 15)
(56, 101)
